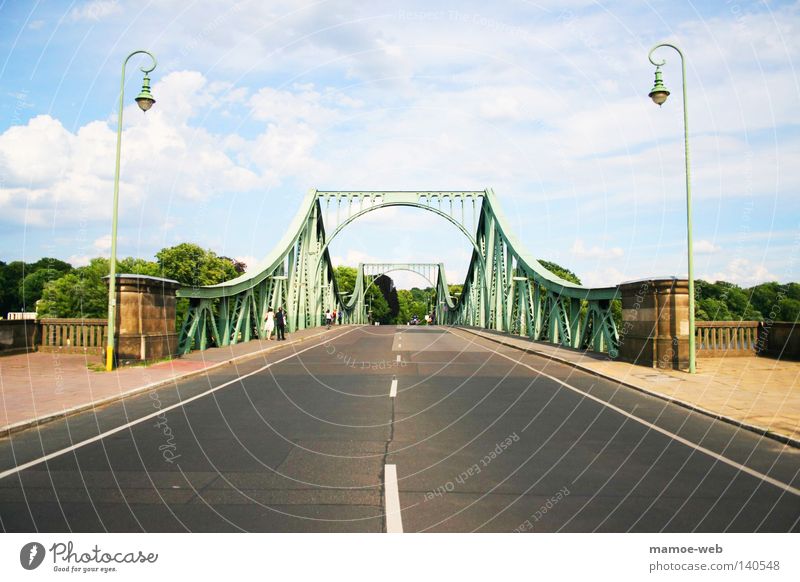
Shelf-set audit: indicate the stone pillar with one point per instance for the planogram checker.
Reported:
(145, 318)
(655, 323)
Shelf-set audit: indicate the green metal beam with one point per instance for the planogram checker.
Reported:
(505, 288)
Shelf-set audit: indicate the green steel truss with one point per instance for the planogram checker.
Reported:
(431, 272)
(505, 288)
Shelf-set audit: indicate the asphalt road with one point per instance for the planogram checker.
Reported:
(481, 437)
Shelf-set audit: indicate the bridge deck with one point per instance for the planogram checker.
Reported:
(481, 436)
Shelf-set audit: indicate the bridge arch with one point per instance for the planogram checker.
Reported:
(408, 204)
(505, 288)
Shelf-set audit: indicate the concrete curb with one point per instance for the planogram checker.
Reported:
(8, 430)
(793, 442)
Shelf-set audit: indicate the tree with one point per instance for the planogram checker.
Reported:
(132, 266)
(404, 300)
(562, 272)
(13, 273)
(189, 264)
(30, 288)
(20, 285)
(81, 293)
(345, 278)
(385, 286)
(50, 263)
(3, 291)
(378, 306)
(84, 291)
(238, 266)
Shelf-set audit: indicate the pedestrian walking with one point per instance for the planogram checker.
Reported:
(270, 323)
(339, 314)
(328, 318)
(333, 317)
(280, 324)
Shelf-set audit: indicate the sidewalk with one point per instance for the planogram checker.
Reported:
(760, 394)
(37, 387)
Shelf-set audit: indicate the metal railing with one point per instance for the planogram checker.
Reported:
(83, 336)
(726, 338)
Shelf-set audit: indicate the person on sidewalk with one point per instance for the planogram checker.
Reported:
(270, 323)
(280, 322)
(328, 318)
(339, 315)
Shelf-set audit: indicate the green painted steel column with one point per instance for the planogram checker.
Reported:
(659, 95)
(145, 101)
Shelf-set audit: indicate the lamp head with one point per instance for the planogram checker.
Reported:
(659, 92)
(145, 99)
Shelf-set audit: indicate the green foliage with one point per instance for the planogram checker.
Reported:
(379, 306)
(81, 293)
(414, 302)
(404, 300)
(722, 301)
(50, 263)
(190, 264)
(20, 285)
(562, 272)
(345, 278)
(30, 288)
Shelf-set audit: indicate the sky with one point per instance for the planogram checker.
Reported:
(545, 102)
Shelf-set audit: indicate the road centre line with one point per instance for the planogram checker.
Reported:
(394, 520)
(393, 389)
(772, 481)
(160, 411)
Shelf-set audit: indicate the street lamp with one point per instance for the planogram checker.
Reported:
(145, 101)
(659, 94)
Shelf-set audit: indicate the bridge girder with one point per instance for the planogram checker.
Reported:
(505, 288)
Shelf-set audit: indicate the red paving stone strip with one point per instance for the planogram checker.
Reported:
(758, 394)
(39, 387)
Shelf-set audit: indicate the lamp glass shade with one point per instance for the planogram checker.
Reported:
(659, 96)
(659, 92)
(145, 99)
(145, 103)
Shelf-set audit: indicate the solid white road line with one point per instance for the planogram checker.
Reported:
(393, 389)
(394, 521)
(101, 436)
(743, 468)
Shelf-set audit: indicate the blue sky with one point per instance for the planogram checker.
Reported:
(545, 101)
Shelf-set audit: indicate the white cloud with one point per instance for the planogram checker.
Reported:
(103, 244)
(604, 277)
(353, 257)
(743, 272)
(705, 247)
(528, 99)
(62, 177)
(249, 260)
(580, 250)
(95, 10)
(79, 260)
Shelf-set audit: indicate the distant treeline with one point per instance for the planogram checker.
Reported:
(54, 288)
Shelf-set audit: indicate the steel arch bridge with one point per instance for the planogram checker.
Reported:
(505, 289)
(433, 273)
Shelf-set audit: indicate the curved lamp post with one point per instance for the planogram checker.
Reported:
(145, 101)
(659, 94)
